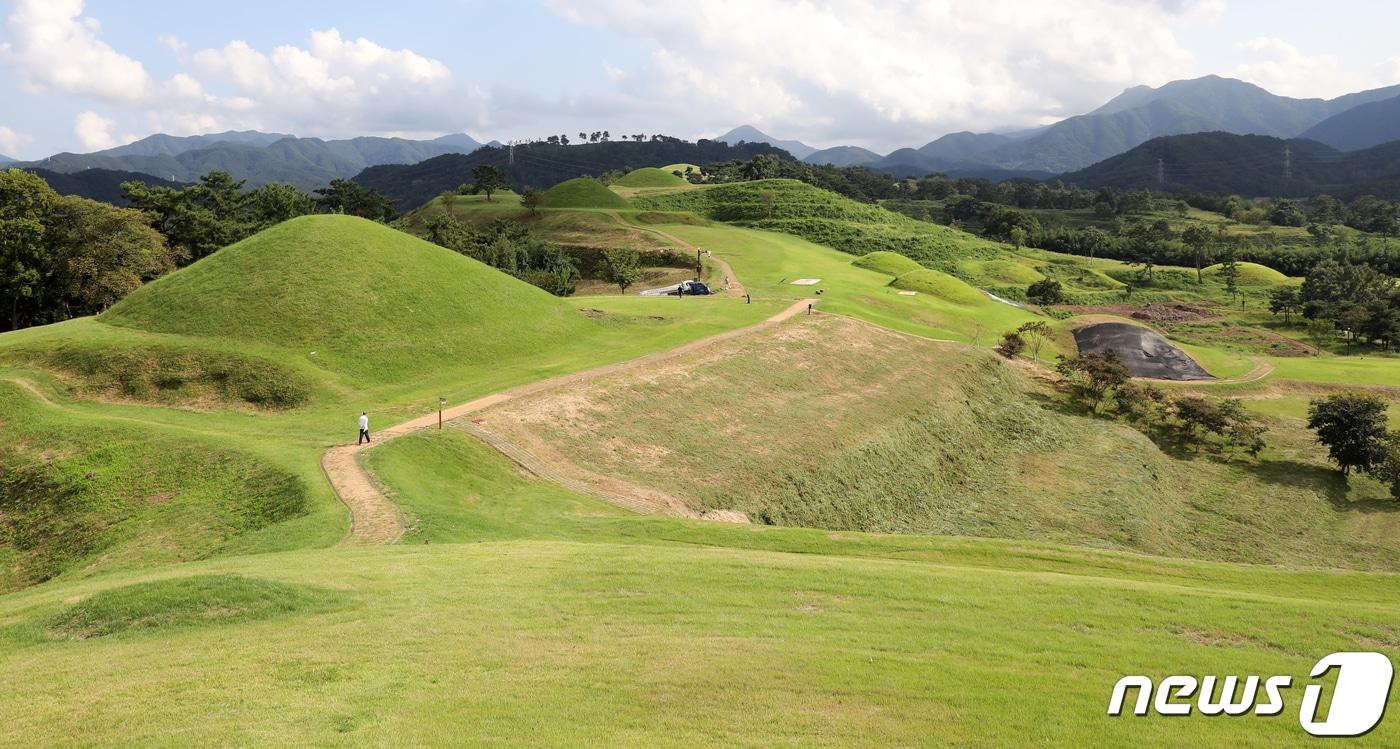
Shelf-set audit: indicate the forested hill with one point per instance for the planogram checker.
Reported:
(99, 184)
(544, 165)
(1250, 165)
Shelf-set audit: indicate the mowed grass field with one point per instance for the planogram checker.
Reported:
(528, 615)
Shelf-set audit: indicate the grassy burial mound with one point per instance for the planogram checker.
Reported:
(824, 217)
(650, 177)
(583, 192)
(831, 423)
(941, 285)
(1144, 352)
(888, 263)
(1001, 272)
(1251, 274)
(370, 301)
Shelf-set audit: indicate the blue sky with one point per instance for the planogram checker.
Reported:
(81, 76)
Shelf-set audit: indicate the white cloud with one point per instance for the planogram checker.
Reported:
(333, 86)
(1283, 68)
(337, 83)
(55, 47)
(893, 73)
(94, 131)
(11, 142)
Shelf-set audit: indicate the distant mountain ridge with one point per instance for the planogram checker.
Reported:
(842, 156)
(259, 158)
(1137, 115)
(751, 134)
(1362, 126)
(1249, 165)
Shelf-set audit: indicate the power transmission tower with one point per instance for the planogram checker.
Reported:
(1161, 172)
(1288, 162)
(510, 148)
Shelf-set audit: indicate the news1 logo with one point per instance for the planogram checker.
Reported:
(1358, 700)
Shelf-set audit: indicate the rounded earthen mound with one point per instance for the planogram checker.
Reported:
(1145, 352)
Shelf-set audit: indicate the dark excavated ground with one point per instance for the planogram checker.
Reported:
(1146, 353)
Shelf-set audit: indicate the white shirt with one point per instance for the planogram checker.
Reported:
(364, 422)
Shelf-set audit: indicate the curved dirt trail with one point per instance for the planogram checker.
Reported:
(375, 519)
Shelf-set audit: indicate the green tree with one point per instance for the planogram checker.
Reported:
(532, 199)
(1003, 220)
(101, 253)
(1094, 376)
(1046, 291)
(489, 178)
(1387, 470)
(622, 267)
(1012, 344)
(25, 203)
(1230, 271)
(353, 199)
(1018, 237)
(1352, 426)
(272, 204)
(1092, 240)
(1198, 239)
(1333, 287)
(1034, 334)
(1285, 300)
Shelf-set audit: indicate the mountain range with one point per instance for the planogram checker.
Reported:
(1137, 115)
(257, 157)
(1249, 165)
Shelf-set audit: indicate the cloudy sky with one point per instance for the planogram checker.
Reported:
(82, 76)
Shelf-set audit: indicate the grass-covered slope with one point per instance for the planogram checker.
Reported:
(889, 263)
(826, 422)
(80, 494)
(826, 218)
(650, 177)
(941, 285)
(582, 192)
(369, 301)
(1251, 274)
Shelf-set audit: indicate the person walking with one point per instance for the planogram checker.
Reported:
(364, 428)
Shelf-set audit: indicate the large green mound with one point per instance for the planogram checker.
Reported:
(650, 177)
(941, 285)
(1008, 272)
(888, 263)
(824, 217)
(368, 300)
(1251, 274)
(200, 600)
(583, 192)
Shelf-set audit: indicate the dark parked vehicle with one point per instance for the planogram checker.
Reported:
(690, 288)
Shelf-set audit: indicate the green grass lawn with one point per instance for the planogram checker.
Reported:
(768, 262)
(597, 627)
